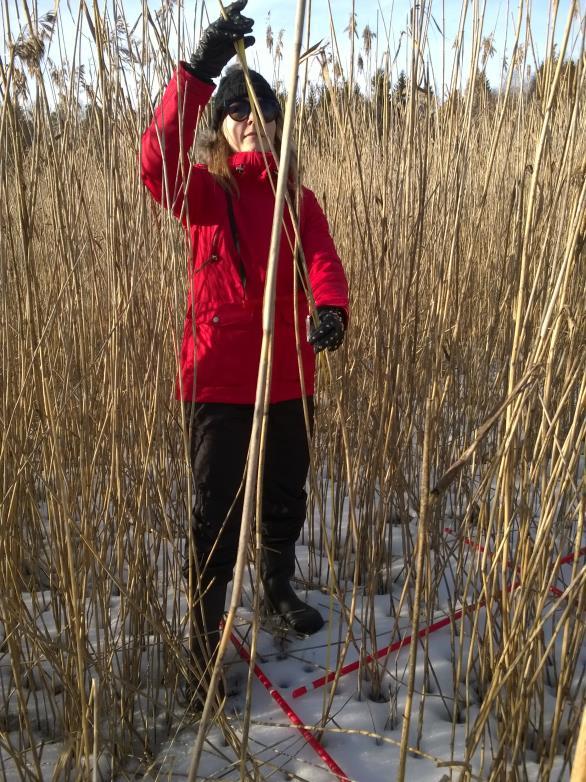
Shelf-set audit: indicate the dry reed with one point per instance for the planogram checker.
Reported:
(458, 399)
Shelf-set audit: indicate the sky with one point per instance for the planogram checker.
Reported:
(388, 19)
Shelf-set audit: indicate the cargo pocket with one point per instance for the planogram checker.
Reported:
(229, 340)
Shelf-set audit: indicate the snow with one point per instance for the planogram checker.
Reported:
(361, 734)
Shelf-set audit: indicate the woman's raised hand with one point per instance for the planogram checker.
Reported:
(216, 45)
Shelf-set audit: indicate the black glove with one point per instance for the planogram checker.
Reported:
(330, 332)
(216, 45)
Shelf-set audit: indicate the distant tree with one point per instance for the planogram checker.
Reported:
(482, 92)
(540, 82)
(316, 96)
(399, 96)
(379, 84)
(380, 94)
(452, 107)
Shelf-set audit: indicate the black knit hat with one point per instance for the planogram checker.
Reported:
(233, 87)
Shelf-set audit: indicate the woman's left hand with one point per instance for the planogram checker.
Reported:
(330, 331)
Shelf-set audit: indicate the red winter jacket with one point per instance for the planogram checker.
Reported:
(223, 327)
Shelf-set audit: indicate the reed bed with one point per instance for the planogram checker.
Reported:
(457, 403)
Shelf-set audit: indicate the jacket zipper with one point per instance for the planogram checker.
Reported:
(213, 256)
(236, 240)
(242, 274)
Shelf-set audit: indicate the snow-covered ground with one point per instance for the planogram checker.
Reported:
(360, 738)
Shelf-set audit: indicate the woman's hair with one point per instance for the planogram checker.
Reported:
(213, 150)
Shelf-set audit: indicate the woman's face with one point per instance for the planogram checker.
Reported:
(243, 135)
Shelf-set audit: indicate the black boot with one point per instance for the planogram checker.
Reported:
(205, 637)
(278, 566)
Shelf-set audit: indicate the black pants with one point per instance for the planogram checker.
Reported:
(219, 438)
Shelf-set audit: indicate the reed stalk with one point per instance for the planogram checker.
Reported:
(459, 217)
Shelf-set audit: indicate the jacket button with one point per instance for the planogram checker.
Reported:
(215, 319)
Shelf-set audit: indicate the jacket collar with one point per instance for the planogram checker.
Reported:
(252, 164)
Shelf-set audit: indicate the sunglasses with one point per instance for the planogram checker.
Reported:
(239, 110)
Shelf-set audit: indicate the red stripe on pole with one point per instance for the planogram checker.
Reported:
(572, 557)
(293, 717)
(405, 641)
(322, 680)
(468, 542)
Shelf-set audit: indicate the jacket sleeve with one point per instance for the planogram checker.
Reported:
(326, 273)
(167, 140)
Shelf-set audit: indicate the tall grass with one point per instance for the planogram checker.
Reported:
(462, 229)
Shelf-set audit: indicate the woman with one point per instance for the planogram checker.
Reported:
(226, 209)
